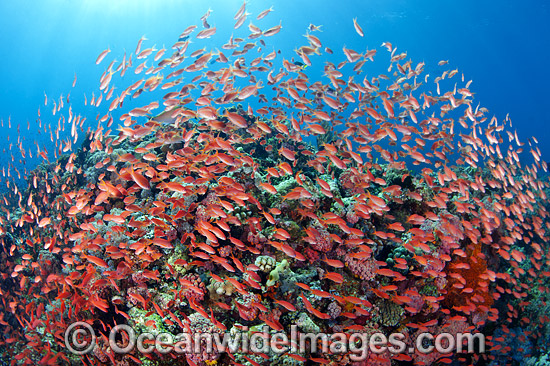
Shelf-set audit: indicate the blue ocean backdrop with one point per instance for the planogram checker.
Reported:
(502, 47)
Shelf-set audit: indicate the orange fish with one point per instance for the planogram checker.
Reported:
(335, 277)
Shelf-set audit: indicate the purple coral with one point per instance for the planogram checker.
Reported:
(364, 268)
(199, 325)
(196, 289)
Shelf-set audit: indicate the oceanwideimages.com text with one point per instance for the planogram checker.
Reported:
(81, 339)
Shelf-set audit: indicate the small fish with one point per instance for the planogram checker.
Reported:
(358, 29)
(314, 28)
(99, 58)
(206, 33)
(264, 13)
(286, 305)
(97, 261)
(334, 263)
(335, 277)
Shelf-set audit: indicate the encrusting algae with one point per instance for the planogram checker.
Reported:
(252, 196)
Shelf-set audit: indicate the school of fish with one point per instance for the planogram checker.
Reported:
(250, 194)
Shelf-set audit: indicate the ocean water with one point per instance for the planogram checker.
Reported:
(469, 242)
(503, 48)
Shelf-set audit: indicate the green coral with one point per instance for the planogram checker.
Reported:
(276, 273)
(429, 289)
(388, 313)
(139, 318)
(307, 325)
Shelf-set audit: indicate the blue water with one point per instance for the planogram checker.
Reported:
(502, 47)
